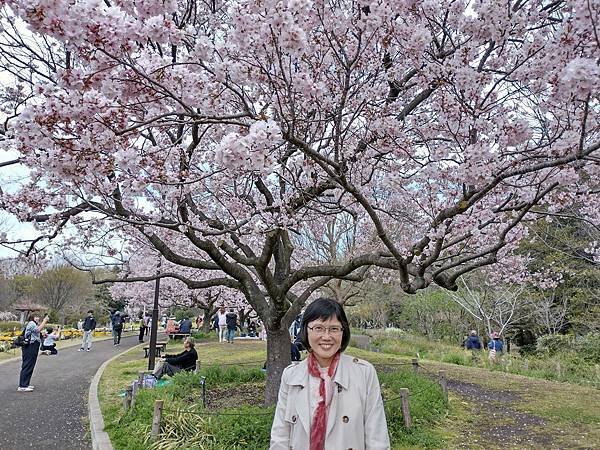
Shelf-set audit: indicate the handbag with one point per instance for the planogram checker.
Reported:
(21, 340)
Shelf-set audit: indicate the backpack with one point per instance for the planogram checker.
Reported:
(21, 340)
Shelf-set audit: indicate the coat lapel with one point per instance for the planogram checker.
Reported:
(300, 379)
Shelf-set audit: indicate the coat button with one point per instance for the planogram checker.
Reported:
(294, 418)
(345, 419)
(355, 360)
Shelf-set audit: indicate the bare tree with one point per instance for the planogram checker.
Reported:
(62, 287)
(496, 308)
(550, 312)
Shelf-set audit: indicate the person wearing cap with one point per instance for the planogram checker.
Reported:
(473, 342)
(495, 346)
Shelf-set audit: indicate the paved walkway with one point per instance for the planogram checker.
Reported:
(54, 415)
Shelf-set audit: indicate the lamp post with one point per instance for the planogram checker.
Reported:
(154, 328)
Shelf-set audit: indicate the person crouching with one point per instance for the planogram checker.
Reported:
(49, 345)
(171, 364)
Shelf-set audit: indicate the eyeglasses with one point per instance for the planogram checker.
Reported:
(320, 330)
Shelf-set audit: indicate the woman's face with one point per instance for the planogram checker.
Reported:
(325, 343)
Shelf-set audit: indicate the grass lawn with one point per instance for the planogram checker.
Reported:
(240, 383)
(527, 412)
(488, 409)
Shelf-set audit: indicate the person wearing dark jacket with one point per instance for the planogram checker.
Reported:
(89, 325)
(473, 342)
(185, 327)
(231, 320)
(116, 320)
(171, 364)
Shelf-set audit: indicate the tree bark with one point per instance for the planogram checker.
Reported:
(278, 358)
(207, 322)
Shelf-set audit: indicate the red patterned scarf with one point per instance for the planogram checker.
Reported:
(319, 424)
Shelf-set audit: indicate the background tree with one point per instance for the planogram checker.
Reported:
(64, 289)
(219, 134)
(496, 307)
(563, 246)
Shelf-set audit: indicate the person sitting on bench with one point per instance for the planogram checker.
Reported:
(171, 364)
(185, 327)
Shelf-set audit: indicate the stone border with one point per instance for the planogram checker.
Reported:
(100, 439)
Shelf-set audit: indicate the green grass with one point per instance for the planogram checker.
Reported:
(187, 425)
(567, 366)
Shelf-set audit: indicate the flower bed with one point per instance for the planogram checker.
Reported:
(7, 337)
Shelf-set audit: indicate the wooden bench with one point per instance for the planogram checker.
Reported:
(147, 351)
(175, 335)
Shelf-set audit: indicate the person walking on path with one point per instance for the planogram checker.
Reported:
(30, 351)
(142, 323)
(49, 345)
(88, 327)
(473, 342)
(231, 321)
(495, 346)
(116, 320)
(222, 321)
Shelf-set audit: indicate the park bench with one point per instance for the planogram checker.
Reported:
(178, 335)
(160, 347)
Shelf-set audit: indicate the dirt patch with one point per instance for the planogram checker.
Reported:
(479, 393)
(495, 424)
(217, 398)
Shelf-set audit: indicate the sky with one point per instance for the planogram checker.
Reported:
(9, 224)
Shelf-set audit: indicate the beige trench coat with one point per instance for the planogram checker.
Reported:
(356, 419)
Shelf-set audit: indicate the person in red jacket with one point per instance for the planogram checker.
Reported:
(171, 364)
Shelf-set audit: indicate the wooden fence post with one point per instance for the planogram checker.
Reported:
(415, 364)
(404, 394)
(197, 365)
(158, 407)
(134, 391)
(141, 375)
(444, 384)
(127, 398)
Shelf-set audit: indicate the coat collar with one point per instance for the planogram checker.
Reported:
(299, 376)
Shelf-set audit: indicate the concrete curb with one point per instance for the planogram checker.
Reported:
(100, 439)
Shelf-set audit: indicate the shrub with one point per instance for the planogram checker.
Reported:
(554, 343)
(10, 326)
(588, 348)
(201, 335)
(7, 316)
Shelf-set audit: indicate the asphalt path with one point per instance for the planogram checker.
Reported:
(54, 415)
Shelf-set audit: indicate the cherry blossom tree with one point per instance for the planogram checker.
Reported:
(216, 131)
(133, 283)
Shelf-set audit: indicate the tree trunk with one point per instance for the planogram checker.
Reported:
(278, 358)
(206, 324)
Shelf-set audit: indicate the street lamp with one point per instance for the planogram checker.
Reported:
(154, 328)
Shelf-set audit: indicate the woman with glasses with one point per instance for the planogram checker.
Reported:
(330, 400)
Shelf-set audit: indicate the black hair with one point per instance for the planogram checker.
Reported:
(31, 317)
(91, 311)
(49, 330)
(324, 309)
